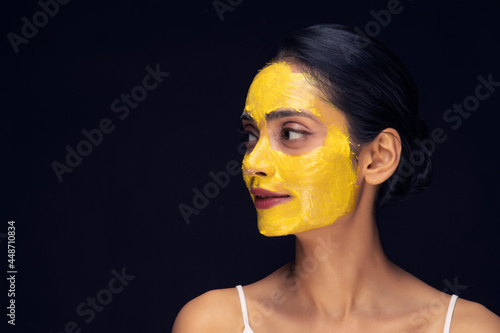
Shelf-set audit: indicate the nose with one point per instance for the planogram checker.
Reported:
(259, 162)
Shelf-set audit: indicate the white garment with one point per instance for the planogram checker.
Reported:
(243, 303)
(247, 329)
(449, 314)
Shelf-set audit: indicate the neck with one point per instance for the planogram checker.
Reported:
(341, 266)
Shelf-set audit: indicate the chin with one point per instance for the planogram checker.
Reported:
(273, 229)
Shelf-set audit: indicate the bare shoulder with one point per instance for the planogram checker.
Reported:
(220, 310)
(214, 311)
(473, 317)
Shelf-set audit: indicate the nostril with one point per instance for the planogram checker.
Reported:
(260, 173)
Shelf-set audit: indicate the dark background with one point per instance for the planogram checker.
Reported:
(119, 207)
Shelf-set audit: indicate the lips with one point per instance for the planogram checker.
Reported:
(265, 199)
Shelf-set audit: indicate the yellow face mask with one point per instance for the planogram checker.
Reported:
(296, 192)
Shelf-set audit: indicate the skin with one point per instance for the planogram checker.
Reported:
(341, 279)
(305, 155)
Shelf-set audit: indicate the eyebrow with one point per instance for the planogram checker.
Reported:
(277, 114)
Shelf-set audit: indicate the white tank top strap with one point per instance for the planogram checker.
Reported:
(244, 310)
(449, 314)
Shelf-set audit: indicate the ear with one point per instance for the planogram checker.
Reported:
(380, 159)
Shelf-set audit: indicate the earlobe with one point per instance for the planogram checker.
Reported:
(380, 159)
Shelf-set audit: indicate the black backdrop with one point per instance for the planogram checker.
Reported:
(118, 213)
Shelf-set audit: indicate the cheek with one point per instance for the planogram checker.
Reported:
(319, 171)
(326, 171)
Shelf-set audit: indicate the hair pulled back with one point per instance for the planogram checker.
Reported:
(374, 90)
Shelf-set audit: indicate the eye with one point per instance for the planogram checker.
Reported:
(291, 134)
(248, 136)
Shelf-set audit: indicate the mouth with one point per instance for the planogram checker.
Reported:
(265, 199)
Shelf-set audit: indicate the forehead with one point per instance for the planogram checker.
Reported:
(278, 87)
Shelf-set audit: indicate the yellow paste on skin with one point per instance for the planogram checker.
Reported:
(321, 182)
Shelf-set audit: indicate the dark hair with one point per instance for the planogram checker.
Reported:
(374, 90)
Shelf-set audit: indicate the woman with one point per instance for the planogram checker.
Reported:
(333, 132)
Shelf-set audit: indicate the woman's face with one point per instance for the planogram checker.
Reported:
(298, 166)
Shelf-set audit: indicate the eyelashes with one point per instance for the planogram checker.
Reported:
(247, 137)
(242, 135)
(290, 134)
(287, 134)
